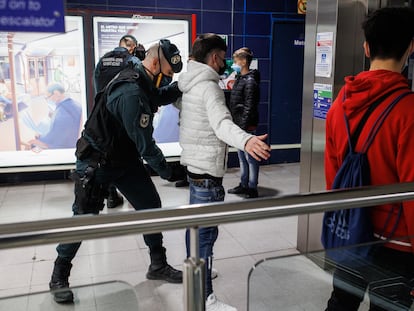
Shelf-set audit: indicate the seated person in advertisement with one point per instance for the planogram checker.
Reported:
(65, 121)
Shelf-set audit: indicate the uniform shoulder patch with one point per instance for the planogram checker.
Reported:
(144, 120)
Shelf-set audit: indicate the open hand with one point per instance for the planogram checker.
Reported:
(257, 148)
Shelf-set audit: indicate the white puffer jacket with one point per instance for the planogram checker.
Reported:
(206, 126)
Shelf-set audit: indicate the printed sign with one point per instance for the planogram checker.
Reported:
(323, 64)
(322, 99)
(32, 15)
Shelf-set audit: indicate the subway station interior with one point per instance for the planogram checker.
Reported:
(268, 255)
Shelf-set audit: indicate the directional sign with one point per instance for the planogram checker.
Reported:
(32, 15)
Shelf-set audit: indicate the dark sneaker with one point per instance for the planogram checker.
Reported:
(61, 292)
(182, 183)
(238, 190)
(165, 273)
(114, 200)
(251, 193)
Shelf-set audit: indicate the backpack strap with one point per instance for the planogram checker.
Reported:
(380, 120)
(125, 75)
(352, 139)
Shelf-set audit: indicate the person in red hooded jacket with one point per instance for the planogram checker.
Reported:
(388, 44)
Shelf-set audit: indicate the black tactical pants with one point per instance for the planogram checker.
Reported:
(134, 182)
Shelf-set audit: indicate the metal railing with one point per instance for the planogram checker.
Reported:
(194, 216)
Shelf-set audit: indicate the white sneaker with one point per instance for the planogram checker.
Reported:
(214, 273)
(212, 304)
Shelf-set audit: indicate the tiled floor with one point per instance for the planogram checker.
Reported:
(239, 247)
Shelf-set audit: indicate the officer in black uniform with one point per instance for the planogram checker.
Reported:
(116, 137)
(108, 66)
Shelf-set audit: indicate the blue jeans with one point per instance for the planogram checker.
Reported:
(135, 184)
(207, 236)
(249, 170)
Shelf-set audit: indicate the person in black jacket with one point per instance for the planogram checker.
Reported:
(244, 100)
(115, 141)
(108, 66)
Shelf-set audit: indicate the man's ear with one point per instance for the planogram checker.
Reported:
(366, 49)
(154, 63)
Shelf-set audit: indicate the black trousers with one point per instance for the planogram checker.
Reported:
(135, 183)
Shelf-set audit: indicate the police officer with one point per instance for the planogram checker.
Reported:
(108, 66)
(128, 53)
(116, 137)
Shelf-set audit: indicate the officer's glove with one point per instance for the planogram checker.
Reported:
(178, 172)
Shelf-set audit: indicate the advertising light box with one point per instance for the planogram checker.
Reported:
(42, 95)
(147, 31)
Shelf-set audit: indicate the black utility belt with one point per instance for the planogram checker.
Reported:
(205, 183)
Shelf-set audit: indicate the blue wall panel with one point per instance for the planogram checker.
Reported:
(183, 4)
(266, 5)
(217, 5)
(264, 67)
(258, 24)
(260, 46)
(217, 22)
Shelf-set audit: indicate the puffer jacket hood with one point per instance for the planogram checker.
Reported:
(196, 73)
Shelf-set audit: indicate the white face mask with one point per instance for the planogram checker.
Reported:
(236, 68)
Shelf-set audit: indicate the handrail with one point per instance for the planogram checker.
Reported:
(197, 215)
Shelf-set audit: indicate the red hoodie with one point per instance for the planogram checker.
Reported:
(391, 155)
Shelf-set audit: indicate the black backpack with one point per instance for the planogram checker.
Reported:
(109, 65)
(101, 125)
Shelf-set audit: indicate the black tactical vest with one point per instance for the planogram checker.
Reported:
(104, 140)
(109, 65)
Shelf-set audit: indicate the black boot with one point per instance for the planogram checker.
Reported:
(159, 269)
(59, 284)
(251, 193)
(238, 190)
(114, 198)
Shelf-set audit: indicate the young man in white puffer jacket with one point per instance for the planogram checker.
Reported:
(206, 130)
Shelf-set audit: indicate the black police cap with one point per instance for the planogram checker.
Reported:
(171, 54)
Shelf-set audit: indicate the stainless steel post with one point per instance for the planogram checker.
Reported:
(194, 276)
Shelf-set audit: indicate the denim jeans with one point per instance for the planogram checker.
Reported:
(249, 170)
(135, 184)
(207, 236)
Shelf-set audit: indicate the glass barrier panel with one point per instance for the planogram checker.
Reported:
(369, 276)
(106, 296)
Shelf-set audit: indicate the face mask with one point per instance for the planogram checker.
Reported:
(236, 68)
(222, 70)
(162, 80)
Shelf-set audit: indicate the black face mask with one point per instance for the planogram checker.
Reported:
(223, 68)
(162, 80)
